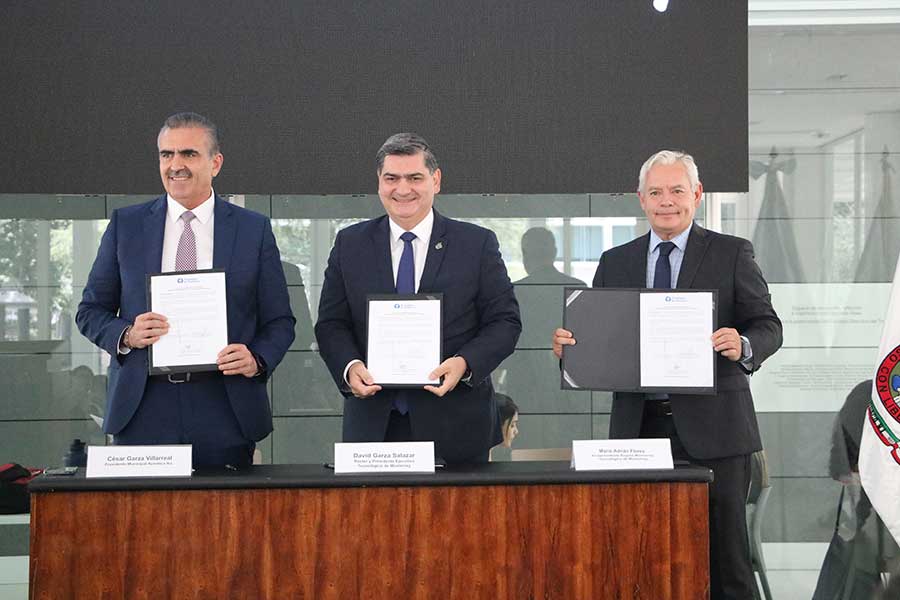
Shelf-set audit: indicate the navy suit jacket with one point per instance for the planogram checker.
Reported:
(259, 312)
(724, 424)
(480, 323)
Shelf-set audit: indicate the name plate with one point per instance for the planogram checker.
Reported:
(603, 455)
(384, 457)
(139, 461)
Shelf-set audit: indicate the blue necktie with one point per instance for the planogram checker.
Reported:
(406, 284)
(406, 271)
(662, 277)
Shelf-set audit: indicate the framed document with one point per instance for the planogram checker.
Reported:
(404, 339)
(194, 304)
(640, 340)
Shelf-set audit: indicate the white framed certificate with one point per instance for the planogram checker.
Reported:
(404, 339)
(676, 328)
(195, 305)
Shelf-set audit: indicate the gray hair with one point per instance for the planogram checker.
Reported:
(406, 144)
(191, 119)
(670, 157)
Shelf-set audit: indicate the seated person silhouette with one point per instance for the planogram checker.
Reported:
(509, 425)
(861, 548)
(317, 394)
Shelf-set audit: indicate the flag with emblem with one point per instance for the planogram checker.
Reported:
(879, 453)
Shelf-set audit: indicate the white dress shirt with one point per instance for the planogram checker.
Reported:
(420, 253)
(203, 232)
(420, 245)
(202, 225)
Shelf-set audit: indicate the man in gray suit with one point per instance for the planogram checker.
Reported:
(717, 431)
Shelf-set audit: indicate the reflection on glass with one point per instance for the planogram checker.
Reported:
(539, 254)
(35, 279)
(773, 236)
(882, 240)
(861, 548)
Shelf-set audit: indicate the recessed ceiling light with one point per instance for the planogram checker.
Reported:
(661, 5)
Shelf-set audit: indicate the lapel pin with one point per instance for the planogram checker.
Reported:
(439, 246)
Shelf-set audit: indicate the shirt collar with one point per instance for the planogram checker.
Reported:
(422, 230)
(202, 213)
(679, 240)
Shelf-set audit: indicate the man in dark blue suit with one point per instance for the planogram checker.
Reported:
(415, 248)
(222, 414)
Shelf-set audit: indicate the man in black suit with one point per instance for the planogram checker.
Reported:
(717, 431)
(480, 324)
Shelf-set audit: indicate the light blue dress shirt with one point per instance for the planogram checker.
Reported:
(675, 257)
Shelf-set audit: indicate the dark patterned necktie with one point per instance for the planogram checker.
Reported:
(662, 278)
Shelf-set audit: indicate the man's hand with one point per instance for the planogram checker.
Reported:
(236, 359)
(147, 329)
(361, 382)
(562, 337)
(727, 342)
(452, 369)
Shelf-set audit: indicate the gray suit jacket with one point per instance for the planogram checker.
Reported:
(723, 424)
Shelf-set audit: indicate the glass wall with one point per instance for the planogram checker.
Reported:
(823, 211)
(55, 379)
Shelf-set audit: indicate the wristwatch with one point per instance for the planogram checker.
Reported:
(125, 342)
(260, 365)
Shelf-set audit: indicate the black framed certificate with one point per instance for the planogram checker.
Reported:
(195, 305)
(640, 340)
(404, 339)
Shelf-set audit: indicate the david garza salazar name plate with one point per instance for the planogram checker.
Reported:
(384, 457)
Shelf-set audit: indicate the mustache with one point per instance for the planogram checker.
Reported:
(184, 171)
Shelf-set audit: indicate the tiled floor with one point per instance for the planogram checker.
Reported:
(13, 577)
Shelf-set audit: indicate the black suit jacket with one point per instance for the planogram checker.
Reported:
(723, 424)
(480, 323)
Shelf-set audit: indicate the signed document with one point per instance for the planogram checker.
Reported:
(194, 303)
(404, 339)
(676, 351)
(639, 340)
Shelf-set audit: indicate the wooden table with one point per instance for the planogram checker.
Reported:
(502, 530)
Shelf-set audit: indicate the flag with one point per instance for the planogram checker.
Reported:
(774, 239)
(879, 453)
(884, 234)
